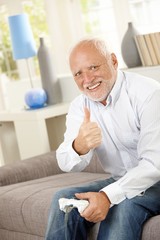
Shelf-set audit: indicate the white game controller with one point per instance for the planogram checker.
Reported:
(64, 203)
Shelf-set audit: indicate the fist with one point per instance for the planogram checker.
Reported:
(89, 135)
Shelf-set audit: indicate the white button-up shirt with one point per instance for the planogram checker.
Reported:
(130, 125)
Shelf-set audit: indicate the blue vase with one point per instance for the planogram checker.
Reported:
(36, 98)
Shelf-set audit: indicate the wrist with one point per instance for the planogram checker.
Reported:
(78, 148)
(105, 195)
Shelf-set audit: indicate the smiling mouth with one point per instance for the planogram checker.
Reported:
(94, 86)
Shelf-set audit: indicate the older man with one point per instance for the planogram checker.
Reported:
(117, 116)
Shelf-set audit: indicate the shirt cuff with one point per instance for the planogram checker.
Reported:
(114, 193)
(80, 162)
(75, 155)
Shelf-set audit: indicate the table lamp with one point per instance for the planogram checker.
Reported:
(23, 47)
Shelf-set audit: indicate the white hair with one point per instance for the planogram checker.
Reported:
(97, 43)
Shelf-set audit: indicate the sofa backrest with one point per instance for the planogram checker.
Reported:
(38, 167)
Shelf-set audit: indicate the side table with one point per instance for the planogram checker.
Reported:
(27, 133)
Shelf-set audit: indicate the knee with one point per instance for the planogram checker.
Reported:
(60, 194)
(65, 193)
(127, 209)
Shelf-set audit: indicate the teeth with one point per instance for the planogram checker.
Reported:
(94, 86)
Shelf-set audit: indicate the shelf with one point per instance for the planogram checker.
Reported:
(149, 71)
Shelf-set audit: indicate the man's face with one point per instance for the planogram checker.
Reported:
(94, 74)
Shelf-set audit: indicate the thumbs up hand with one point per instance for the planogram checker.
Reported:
(89, 135)
(86, 115)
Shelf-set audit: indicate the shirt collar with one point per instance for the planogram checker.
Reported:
(114, 94)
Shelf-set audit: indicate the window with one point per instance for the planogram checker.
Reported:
(102, 17)
(37, 17)
(99, 20)
(7, 65)
(145, 15)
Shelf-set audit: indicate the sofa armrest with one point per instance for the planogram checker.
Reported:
(29, 169)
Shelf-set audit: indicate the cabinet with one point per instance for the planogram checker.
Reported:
(27, 133)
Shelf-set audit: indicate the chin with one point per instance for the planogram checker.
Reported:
(96, 99)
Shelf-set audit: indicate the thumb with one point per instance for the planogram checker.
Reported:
(86, 115)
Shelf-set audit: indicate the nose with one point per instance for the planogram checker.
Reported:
(87, 76)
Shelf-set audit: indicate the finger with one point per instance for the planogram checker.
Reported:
(86, 115)
(81, 196)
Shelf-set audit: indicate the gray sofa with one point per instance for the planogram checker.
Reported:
(26, 190)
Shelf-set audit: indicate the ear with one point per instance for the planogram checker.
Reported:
(114, 61)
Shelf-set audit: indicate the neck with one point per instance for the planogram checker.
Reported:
(104, 102)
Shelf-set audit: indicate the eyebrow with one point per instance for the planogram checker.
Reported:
(91, 65)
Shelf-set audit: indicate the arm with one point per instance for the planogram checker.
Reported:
(147, 173)
(75, 153)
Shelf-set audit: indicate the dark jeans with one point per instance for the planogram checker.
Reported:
(123, 222)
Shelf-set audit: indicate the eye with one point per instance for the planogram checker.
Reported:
(77, 74)
(94, 67)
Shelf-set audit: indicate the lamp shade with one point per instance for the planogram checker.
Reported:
(23, 44)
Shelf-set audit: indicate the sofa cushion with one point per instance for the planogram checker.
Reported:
(151, 230)
(24, 206)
